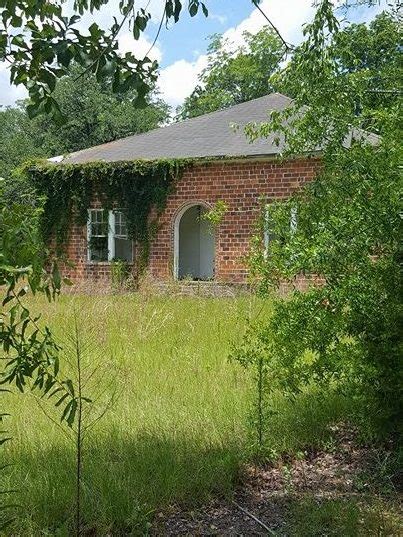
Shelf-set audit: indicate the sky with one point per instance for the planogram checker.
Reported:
(181, 48)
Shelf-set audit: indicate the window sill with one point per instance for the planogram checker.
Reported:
(105, 263)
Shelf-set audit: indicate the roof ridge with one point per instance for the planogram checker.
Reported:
(229, 108)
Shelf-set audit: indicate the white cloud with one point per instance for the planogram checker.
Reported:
(155, 8)
(9, 94)
(139, 47)
(222, 19)
(177, 81)
(288, 16)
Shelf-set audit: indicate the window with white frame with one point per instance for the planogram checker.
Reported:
(108, 237)
(122, 246)
(98, 230)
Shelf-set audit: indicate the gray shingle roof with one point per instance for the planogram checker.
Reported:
(210, 135)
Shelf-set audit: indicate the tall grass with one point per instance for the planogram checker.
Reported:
(178, 428)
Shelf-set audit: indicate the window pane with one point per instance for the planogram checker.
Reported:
(98, 235)
(99, 229)
(99, 222)
(98, 249)
(120, 224)
(123, 249)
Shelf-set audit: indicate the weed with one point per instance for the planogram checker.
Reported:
(178, 433)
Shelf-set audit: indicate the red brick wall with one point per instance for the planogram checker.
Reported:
(240, 184)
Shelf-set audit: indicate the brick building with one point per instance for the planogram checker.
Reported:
(238, 173)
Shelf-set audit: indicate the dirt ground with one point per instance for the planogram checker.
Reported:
(344, 473)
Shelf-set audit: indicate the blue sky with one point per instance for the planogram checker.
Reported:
(193, 33)
(181, 49)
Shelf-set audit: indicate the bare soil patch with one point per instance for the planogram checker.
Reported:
(344, 472)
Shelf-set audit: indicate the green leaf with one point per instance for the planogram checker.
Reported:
(8, 299)
(48, 78)
(66, 410)
(33, 109)
(60, 401)
(72, 414)
(193, 7)
(70, 386)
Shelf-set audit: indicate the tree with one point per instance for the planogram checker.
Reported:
(371, 54)
(40, 41)
(345, 330)
(233, 76)
(367, 55)
(29, 350)
(19, 139)
(94, 115)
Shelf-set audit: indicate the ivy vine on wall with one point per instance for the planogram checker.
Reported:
(140, 188)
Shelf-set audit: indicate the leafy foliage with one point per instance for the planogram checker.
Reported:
(94, 115)
(137, 187)
(29, 349)
(233, 76)
(19, 140)
(40, 42)
(120, 274)
(367, 61)
(216, 214)
(345, 329)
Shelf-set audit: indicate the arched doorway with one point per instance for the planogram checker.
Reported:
(194, 245)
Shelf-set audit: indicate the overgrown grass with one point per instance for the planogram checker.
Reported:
(341, 517)
(177, 430)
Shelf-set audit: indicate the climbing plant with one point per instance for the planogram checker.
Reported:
(139, 188)
(216, 214)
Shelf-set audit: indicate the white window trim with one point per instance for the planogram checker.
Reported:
(110, 237)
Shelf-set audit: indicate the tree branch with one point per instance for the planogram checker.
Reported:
(253, 517)
(105, 50)
(288, 46)
(158, 32)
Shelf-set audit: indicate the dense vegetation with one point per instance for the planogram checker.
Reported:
(235, 75)
(93, 115)
(176, 427)
(344, 228)
(151, 412)
(139, 186)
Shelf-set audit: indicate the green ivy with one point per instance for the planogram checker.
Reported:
(140, 188)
